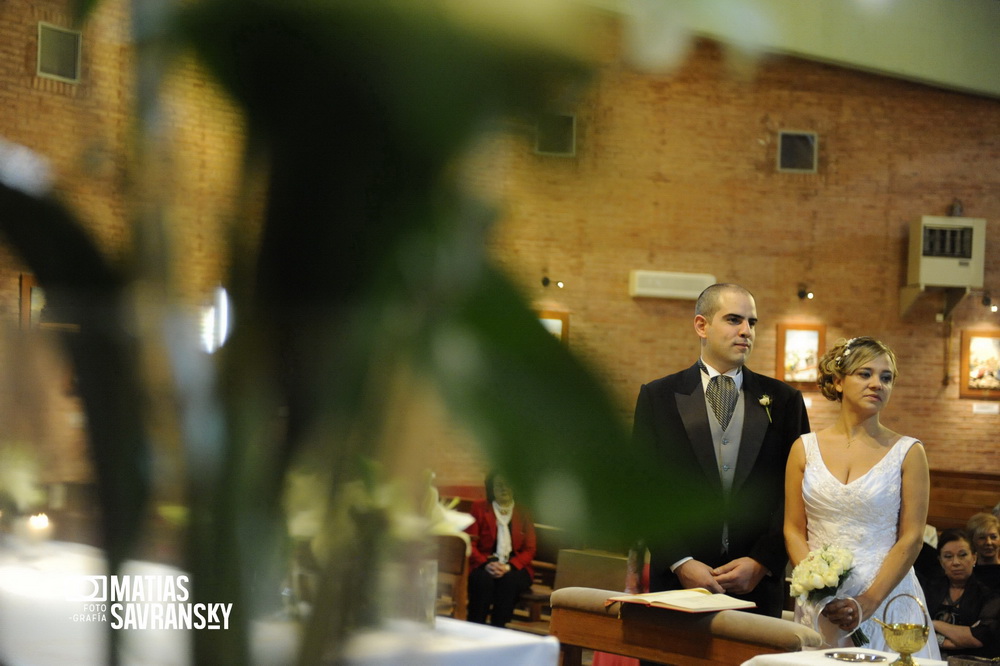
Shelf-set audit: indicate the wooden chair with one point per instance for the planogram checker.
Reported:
(453, 576)
(548, 541)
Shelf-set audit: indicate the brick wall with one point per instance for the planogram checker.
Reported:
(84, 131)
(674, 172)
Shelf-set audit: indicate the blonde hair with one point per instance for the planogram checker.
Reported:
(980, 523)
(845, 358)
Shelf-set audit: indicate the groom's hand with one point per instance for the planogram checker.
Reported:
(697, 574)
(740, 576)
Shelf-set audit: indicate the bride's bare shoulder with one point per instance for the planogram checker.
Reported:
(889, 437)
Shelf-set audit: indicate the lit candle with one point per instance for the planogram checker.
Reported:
(39, 528)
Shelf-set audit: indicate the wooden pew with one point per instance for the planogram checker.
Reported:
(955, 496)
(550, 541)
(577, 567)
(580, 620)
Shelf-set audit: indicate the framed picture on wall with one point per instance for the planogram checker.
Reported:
(32, 302)
(799, 347)
(979, 366)
(34, 314)
(35, 317)
(556, 323)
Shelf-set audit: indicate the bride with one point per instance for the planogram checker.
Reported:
(860, 486)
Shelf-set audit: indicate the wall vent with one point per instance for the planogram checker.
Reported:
(59, 53)
(661, 284)
(555, 134)
(798, 151)
(946, 252)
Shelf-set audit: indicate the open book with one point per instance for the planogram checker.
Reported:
(695, 600)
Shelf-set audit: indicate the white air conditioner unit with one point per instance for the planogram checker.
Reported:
(946, 252)
(661, 284)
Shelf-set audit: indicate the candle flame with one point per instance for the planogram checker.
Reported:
(38, 521)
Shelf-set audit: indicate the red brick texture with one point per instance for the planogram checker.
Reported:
(673, 172)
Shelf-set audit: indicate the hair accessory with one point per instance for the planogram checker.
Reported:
(839, 361)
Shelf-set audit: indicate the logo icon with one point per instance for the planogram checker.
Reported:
(90, 589)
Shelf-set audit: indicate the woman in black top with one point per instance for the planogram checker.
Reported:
(965, 612)
(984, 531)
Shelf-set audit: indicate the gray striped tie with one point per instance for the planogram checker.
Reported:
(722, 396)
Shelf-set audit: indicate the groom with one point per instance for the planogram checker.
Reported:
(728, 430)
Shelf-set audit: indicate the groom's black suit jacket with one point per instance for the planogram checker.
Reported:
(671, 415)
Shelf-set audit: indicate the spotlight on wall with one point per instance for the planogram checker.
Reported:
(805, 292)
(546, 282)
(216, 321)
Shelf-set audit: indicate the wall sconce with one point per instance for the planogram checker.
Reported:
(216, 321)
(546, 282)
(988, 302)
(805, 292)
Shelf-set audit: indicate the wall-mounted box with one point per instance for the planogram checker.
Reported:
(664, 284)
(946, 252)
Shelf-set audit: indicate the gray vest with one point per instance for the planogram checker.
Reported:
(727, 450)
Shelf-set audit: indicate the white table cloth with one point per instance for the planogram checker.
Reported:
(41, 625)
(452, 643)
(819, 658)
(43, 622)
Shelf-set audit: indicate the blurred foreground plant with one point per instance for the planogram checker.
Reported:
(370, 284)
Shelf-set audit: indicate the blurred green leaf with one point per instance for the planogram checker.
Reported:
(370, 262)
(549, 425)
(82, 9)
(87, 291)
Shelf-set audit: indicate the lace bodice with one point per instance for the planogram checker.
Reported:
(862, 516)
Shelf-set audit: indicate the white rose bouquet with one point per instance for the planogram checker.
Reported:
(819, 576)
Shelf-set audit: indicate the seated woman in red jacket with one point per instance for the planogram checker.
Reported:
(503, 545)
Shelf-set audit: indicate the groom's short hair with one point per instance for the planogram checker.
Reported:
(708, 301)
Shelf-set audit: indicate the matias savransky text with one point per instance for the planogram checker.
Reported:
(146, 602)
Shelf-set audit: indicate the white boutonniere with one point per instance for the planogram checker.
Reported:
(765, 402)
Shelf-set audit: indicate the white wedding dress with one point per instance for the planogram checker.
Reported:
(862, 517)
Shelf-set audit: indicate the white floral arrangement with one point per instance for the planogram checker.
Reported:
(820, 573)
(765, 402)
(819, 576)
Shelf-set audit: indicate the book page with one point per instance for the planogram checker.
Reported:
(695, 600)
(705, 603)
